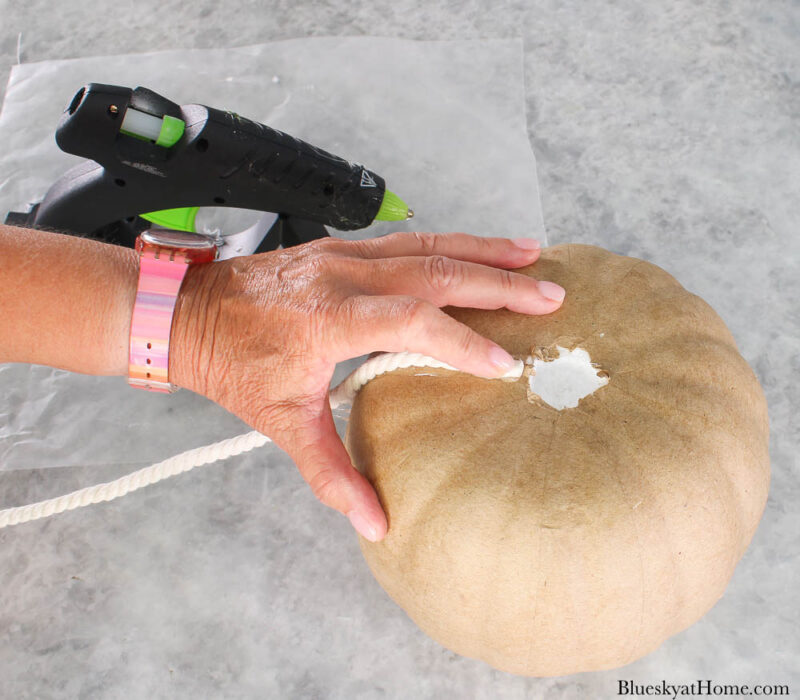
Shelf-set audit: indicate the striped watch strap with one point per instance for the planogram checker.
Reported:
(160, 276)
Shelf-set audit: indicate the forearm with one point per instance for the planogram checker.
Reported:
(65, 301)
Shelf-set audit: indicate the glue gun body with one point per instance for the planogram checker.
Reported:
(150, 160)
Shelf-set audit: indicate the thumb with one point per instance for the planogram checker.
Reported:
(325, 464)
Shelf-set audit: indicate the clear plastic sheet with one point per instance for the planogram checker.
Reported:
(443, 122)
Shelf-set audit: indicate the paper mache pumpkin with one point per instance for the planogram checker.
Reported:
(550, 541)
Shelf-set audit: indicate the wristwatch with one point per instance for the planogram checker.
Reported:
(164, 258)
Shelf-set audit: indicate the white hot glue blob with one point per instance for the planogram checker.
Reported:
(562, 382)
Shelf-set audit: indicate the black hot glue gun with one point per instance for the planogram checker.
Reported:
(151, 161)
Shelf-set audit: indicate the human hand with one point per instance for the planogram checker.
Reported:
(261, 335)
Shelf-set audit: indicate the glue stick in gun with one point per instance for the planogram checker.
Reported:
(152, 161)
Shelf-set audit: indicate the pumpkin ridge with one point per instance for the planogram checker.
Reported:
(424, 511)
(542, 568)
(692, 342)
(735, 514)
(472, 415)
(430, 503)
(628, 272)
(641, 399)
(672, 329)
(465, 418)
(508, 489)
(638, 532)
(629, 447)
(718, 395)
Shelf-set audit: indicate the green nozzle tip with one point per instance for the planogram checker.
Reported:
(393, 208)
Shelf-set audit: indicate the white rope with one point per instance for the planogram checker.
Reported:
(184, 462)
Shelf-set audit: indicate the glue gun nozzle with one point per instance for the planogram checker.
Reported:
(393, 208)
(410, 214)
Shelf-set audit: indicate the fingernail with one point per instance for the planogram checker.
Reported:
(552, 291)
(500, 358)
(362, 526)
(526, 243)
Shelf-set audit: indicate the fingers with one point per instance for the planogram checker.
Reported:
(408, 324)
(324, 463)
(445, 281)
(498, 252)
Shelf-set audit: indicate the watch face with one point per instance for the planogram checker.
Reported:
(178, 239)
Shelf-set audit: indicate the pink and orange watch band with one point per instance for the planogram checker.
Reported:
(164, 258)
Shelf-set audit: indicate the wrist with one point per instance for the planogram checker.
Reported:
(196, 303)
(115, 326)
(66, 301)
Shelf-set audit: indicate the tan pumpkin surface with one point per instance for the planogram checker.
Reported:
(549, 542)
